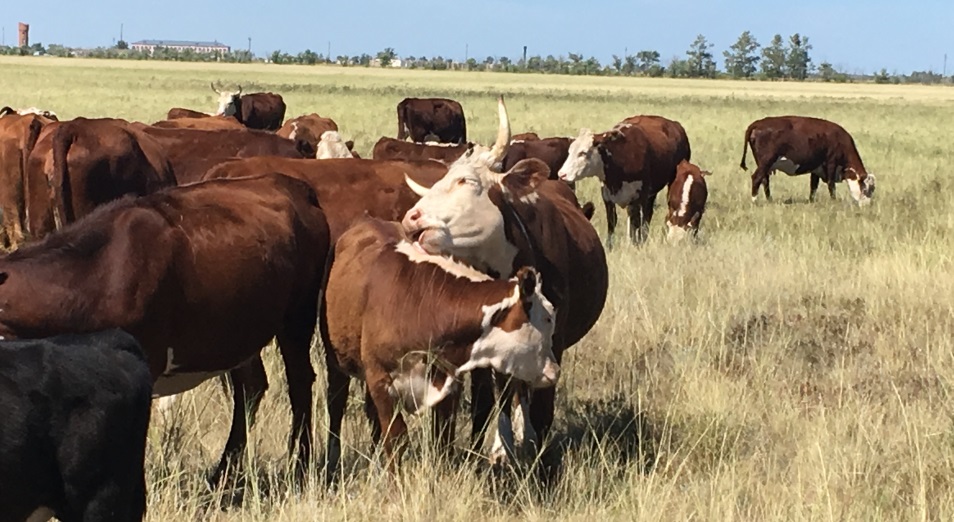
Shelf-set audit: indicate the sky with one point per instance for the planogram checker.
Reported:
(857, 36)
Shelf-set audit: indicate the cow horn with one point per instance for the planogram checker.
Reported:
(503, 133)
(240, 90)
(212, 84)
(415, 186)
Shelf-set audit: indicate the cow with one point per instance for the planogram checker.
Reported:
(801, 145)
(50, 115)
(552, 151)
(451, 319)
(83, 163)
(75, 413)
(332, 146)
(687, 201)
(634, 161)
(308, 127)
(205, 123)
(259, 110)
(524, 136)
(203, 276)
(419, 118)
(392, 149)
(176, 113)
(18, 136)
(192, 152)
(497, 222)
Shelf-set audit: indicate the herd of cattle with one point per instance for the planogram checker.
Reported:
(205, 236)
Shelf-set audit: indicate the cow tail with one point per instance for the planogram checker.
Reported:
(401, 121)
(62, 141)
(745, 145)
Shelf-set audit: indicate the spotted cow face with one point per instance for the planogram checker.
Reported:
(229, 101)
(583, 159)
(861, 185)
(687, 201)
(332, 146)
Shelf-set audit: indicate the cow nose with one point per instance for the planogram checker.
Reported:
(411, 218)
(551, 374)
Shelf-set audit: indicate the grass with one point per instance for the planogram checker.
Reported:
(795, 364)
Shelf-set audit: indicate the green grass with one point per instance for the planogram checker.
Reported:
(795, 364)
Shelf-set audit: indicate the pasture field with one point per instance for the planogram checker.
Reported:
(796, 363)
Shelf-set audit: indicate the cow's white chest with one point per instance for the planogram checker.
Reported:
(625, 195)
(785, 165)
(42, 514)
(415, 390)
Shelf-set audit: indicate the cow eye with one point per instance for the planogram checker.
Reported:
(582, 153)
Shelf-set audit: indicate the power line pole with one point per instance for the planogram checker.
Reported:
(329, 51)
(945, 65)
(249, 45)
(120, 32)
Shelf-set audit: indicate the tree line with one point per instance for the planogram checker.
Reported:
(781, 59)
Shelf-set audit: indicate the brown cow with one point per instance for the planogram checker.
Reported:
(192, 152)
(308, 127)
(206, 123)
(83, 163)
(800, 145)
(18, 136)
(392, 149)
(524, 136)
(258, 110)
(176, 113)
(50, 115)
(419, 118)
(202, 276)
(499, 222)
(634, 161)
(552, 151)
(390, 309)
(687, 201)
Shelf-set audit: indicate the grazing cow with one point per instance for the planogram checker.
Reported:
(176, 113)
(75, 414)
(83, 163)
(206, 123)
(50, 115)
(332, 146)
(687, 201)
(203, 276)
(308, 127)
(499, 222)
(259, 110)
(552, 151)
(800, 145)
(420, 117)
(192, 152)
(18, 136)
(451, 319)
(392, 149)
(634, 161)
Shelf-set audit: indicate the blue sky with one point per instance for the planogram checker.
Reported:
(855, 35)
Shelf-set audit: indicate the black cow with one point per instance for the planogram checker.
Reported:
(440, 117)
(75, 412)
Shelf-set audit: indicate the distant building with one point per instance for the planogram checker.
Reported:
(23, 34)
(180, 45)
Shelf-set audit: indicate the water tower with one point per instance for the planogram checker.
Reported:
(24, 34)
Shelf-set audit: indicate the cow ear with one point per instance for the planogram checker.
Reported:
(705, 173)
(588, 210)
(527, 282)
(524, 177)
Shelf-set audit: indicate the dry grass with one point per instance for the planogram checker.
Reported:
(793, 365)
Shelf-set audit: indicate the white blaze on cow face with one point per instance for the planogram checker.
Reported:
(583, 159)
(332, 146)
(860, 188)
(525, 352)
(228, 101)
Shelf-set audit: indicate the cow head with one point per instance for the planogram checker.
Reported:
(686, 202)
(585, 155)
(517, 334)
(861, 185)
(332, 146)
(460, 215)
(228, 101)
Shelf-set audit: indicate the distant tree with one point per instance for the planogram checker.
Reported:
(797, 61)
(700, 62)
(472, 64)
(119, 45)
(883, 76)
(386, 56)
(59, 50)
(774, 59)
(307, 57)
(617, 64)
(645, 61)
(741, 59)
(826, 71)
(630, 65)
(678, 68)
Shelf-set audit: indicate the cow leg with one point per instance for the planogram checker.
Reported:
(543, 404)
(294, 343)
(391, 422)
(481, 406)
(761, 178)
(832, 179)
(249, 383)
(611, 221)
(814, 187)
(338, 383)
(372, 414)
(640, 214)
(444, 423)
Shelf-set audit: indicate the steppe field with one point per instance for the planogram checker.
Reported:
(795, 363)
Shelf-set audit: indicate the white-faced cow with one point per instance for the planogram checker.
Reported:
(687, 201)
(634, 161)
(75, 412)
(419, 118)
(409, 324)
(498, 222)
(801, 145)
(259, 110)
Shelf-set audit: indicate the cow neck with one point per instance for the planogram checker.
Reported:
(514, 225)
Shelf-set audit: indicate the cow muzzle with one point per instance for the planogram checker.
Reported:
(550, 376)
